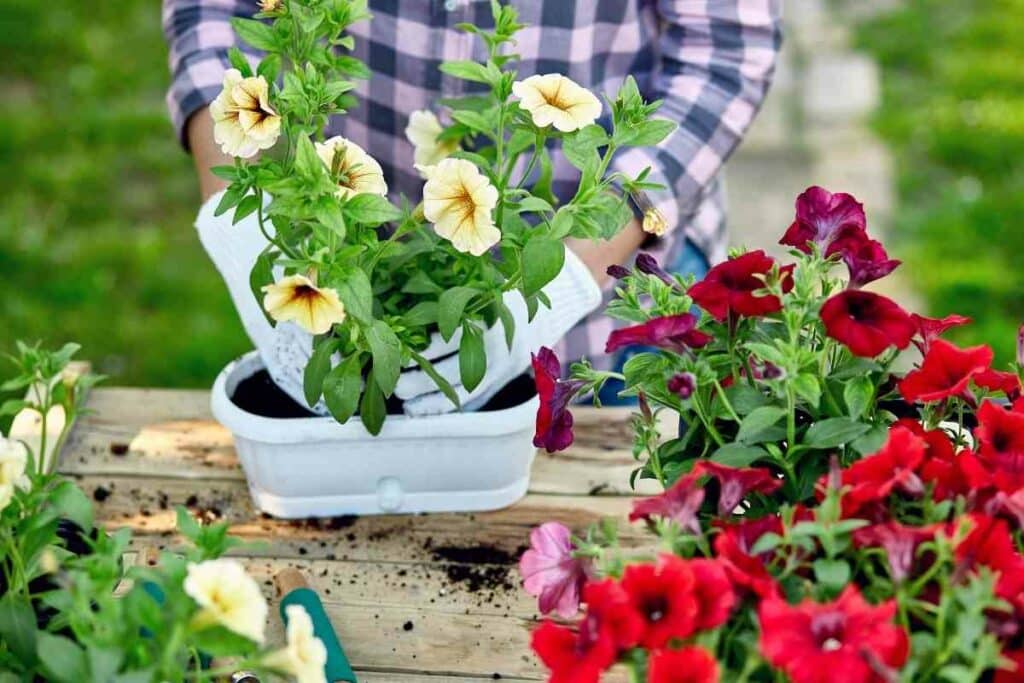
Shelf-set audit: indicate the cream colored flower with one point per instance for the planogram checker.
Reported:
(423, 132)
(243, 120)
(270, 5)
(553, 99)
(358, 172)
(654, 222)
(458, 199)
(304, 656)
(227, 596)
(13, 460)
(295, 297)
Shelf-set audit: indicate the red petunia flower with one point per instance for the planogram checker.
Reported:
(580, 656)
(945, 371)
(672, 332)
(554, 421)
(736, 482)
(680, 503)
(951, 474)
(867, 323)
(865, 258)
(1012, 672)
(930, 329)
(728, 288)
(1006, 383)
(691, 664)
(1000, 437)
(551, 572)
(892, 468)
(663, 595)
(733, 546)
(899, 542)
(821, 217)
(988, 543)
(845, 640)
(713, 592)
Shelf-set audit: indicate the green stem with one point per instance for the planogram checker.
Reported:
(697, 408)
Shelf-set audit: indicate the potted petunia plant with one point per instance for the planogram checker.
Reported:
(367, 304)
(825, 517)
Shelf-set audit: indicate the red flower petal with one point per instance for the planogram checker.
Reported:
(945, 371)
(728, 288)
(867, 323)
(663, 595)
(690, 664)
(672, 332)
(820, 215)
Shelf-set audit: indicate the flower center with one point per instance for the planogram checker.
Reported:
(554, 98)
(655, 607)
(305, 292)
(827, 629)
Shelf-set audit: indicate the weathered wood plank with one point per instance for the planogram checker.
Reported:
(170, 433)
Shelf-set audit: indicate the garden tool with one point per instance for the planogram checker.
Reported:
(293, 588)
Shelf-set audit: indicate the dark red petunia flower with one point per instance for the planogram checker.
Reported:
(893, 468)
(728, 288)
(713, 592)
(672, 332)
(987, 544)
(899, 542)
(950, 474)
(733, 546)
(554, 421)
(867, 323)
(1006, 383)
(930, 329)
(1000, 438)
(945, 371)
(821, 216)
(580, 656)
(865, 258)
(690, 664)
(618, 272)
(844, 640)
(683, 384)
(1012, 672)
(736, 482)
(680, 503)
(662, 593)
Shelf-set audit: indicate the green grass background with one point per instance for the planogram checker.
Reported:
(97, 199)
(953, 114)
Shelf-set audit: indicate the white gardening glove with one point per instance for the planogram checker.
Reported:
(573, 295)
(284, 348)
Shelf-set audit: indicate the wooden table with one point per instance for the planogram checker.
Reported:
(414, 598)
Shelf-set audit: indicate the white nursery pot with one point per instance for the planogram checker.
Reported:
(315, 467)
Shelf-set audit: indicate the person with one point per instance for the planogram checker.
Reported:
(710, 61)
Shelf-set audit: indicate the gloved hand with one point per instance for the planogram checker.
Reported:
(573, 294)
(284, 348)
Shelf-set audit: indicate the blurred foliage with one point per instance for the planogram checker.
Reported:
(953, 113)
(97, 198)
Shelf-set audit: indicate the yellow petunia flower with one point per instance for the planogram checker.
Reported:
(243, 120)
(423, 132)
(296, 298)
(458, 199)
(304, 656)
(227, 596)
(553, 99)
(13, 461)
(358, 172)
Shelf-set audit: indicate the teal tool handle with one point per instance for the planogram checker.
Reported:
(337, 667)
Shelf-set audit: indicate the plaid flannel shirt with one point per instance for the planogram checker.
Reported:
(711, 62)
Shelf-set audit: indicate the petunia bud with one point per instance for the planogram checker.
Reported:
(683, 384)
(1020, 346)
(647, 264)
(270, 5)
(654, 222)
(618, 272)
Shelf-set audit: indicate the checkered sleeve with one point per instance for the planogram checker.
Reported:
(716, 62)
(199, 34)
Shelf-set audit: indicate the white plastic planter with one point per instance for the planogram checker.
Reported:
(315, 467)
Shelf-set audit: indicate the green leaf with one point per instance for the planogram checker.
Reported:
(858, 394)
(834, 432)
(467, 71)
(423, 313)
(387, 355)
(808, 388)
(442, 384)
(356, 293)
(12, 406)
(580, 148)
(373, 409)
(307, 162)
(738, 455)
(472, 356)
(533, 204)
(652, 132)
(330, 213)
(248, 205)
(834, 574)
(72, 503)
(420, 283)
(187, 524)
(18, 628)
(561, 224)
(757, 421)
(371, 210)
(508, 322)
(269, 67)
(450, 307)
(238, 60)
(473, 120)
(62, 659)
(261, 275)
(342, 387)
(317, 368)
(255, 33)
(542, 260)
(104, 662)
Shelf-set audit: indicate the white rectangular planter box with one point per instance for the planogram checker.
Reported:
(315, 467)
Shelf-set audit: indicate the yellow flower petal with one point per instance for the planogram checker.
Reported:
(243, 120)
(360, 173)
(554, 100)
(423, 131)
(227, 596)
(458, 199)
(295, 298)
(304, 656)
(654, 222)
